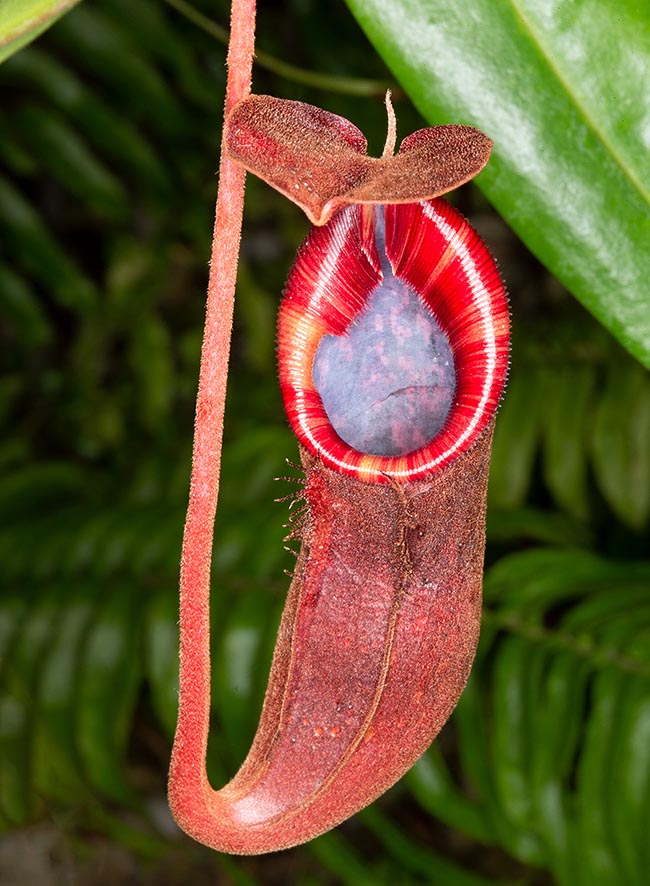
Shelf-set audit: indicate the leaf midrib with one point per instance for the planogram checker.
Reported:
(588, 118)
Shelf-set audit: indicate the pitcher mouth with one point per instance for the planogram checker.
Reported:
(411, 420)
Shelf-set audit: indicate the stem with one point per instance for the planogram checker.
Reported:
(189, 789)
(357, 86)
(391, 128)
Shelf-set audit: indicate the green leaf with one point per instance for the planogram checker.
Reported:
(601, 613)
(110, 674)
(416, 858)
(56, 763)
(620, 448)
(13, 716)
(157, 36)
(22, 310)
(431, 784)
(21, 21)
(630, 778)
(516, 439)
(65, 156)
(533, 524)
(567, 416)
(162, 657)
(566, 721)
(599, 863)
(14, 762)
(341, 858)
(562, 91)
(255, 310)
(30, 243)
(558, 724)
(44, 486)
(530, 580)
(60, 86)
(236, 666)
(153, 369)
(471, 719)
(103, 51)
(516, 668)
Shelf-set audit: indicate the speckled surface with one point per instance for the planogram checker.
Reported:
(387, 385)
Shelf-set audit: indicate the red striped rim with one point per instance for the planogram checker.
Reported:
(432, 248)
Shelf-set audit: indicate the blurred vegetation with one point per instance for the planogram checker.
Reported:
(109, 135)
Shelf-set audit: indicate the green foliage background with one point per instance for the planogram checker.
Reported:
(109, 134)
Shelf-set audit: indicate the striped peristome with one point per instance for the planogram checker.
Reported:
(431, 254)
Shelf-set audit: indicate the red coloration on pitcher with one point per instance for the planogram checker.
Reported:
(375, 646)
(433, 252)
(382, 618)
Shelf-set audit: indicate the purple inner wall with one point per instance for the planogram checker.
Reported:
(387, 385)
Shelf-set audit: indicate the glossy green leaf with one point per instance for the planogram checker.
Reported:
(132, 85)
(562, 91)
(23, 20)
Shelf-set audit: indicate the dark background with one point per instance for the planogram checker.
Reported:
(109, 141)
